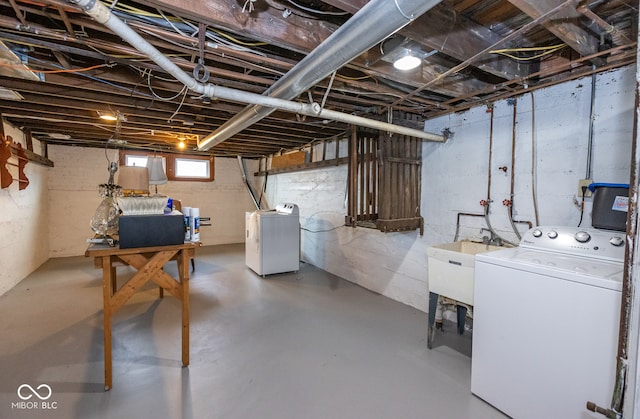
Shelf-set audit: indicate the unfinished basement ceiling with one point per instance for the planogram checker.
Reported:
(59, 69)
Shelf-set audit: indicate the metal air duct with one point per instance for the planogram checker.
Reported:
(376, 21)
(103, 14)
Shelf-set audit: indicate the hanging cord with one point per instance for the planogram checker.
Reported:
(533, 160)
(584, 189)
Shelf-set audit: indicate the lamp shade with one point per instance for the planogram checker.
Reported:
(134, 179)
(157, 176)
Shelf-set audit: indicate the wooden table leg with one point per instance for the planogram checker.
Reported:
(107, 278)
(114, 281)
(183, 273)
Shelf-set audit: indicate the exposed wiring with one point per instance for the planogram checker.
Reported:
(250, 7)
(64, 70)
(172, 25)
(186, 91)
(545, 51)
(251, 44)
(584, 190)
(320, 231)
(160, 97)
(117, 86)
(315, 11)
(342, 76)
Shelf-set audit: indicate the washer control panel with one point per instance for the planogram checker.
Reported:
(589, 242)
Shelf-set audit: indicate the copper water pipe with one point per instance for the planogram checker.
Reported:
(513, 174)
(628, 290)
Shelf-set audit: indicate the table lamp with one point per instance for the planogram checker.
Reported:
(157, 176)
(134, 180)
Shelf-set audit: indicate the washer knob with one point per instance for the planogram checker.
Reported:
(616, 241)
(537, 233)
(582, 236)
(552, 234)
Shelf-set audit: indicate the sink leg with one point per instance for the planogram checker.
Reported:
(433, 303)
(461, 312)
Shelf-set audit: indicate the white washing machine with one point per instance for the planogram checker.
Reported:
(545, 327)
(272, 240)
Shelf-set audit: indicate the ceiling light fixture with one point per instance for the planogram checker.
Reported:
(110, 116)
(403, 53)
(107, 116)
(407, 62)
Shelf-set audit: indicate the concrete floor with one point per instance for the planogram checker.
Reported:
(300, 345)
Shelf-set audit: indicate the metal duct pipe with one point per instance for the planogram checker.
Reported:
(103, 15)
(370, 25)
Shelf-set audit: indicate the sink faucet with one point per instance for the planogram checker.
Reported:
(493, 240)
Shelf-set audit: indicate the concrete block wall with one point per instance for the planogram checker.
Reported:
(24, 225)
(455, 176)
(73, 198)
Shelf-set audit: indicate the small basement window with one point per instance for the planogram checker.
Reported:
(178, 167)
(192, 168)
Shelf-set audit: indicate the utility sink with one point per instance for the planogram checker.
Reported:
(451, 268)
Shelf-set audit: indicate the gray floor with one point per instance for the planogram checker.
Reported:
(303, 345)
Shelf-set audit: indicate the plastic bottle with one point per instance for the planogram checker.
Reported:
(195, 224)
(186, 211)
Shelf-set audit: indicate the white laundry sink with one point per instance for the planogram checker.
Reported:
(451, 268)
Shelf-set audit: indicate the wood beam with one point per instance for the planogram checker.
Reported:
(444, 30)
(264, 24)
(564, 24)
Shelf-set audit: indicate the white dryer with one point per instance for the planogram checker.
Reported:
(545, 327)
(272, 240)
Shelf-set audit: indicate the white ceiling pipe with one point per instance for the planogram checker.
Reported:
(103, 15)
(372, 24)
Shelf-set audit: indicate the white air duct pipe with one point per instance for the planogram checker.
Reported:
(372, 24)
(103, 15)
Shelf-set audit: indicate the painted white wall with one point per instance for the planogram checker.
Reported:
(24, 243)
(454, 179)
(73, 198)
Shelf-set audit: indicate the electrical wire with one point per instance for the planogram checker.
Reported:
(584, 189)
(545, 51)
(64, 70)
(186, 91)
(108, 83)
(315, 11)
(320, 231)
(166, 99)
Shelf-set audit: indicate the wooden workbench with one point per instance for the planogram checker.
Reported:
(148, 261)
